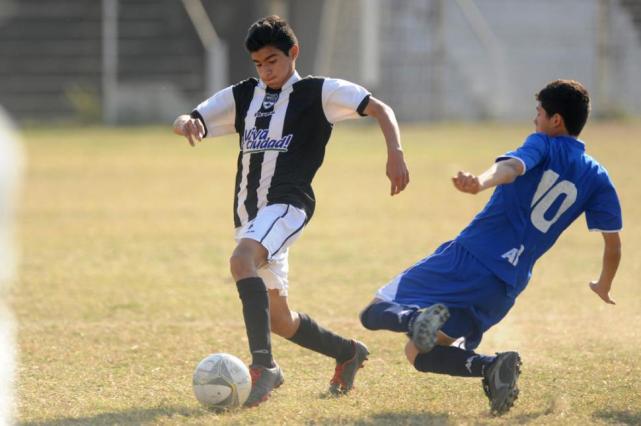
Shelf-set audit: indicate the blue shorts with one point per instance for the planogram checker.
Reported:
(477, 299)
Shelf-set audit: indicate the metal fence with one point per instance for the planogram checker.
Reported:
(122, 61)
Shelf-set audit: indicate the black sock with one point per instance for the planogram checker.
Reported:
(312, 336)
(253, 294)
(452, 361)
(388, 316)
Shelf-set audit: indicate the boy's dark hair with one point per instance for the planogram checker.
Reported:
(270, 31)
(570, 100)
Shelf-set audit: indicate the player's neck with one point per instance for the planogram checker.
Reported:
(284, 81)
(560, 132)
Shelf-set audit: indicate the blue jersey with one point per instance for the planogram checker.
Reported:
(522, 220)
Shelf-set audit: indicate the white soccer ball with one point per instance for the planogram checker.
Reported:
(221, 381)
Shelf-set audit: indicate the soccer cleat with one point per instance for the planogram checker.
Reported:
(264, 380)
(426, 326)
(343, 380)
(499, 382)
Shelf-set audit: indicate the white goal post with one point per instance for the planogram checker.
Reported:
(217, 56)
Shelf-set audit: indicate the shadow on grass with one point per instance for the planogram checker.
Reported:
(126, 417)
(619, 417)
(392, 418)
(522, 419)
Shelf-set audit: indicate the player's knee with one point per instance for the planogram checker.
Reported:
(365, 317)
(241, 265)
(246, 259)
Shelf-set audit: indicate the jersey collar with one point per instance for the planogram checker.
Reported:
(576, 142)
(289, 83)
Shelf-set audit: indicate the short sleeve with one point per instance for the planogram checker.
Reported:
(531, 153)
(343, 100)
(603, 212)
(218, 113)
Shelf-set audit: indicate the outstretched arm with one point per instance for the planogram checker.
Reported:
(191, 128)
(396, 168)
(502, 172)
(611, 258)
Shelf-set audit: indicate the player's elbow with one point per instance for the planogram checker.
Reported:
(511, 177)
(511, 169)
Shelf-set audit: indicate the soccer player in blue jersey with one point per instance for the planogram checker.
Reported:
(469, 284)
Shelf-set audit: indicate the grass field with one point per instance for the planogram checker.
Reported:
(125, 286)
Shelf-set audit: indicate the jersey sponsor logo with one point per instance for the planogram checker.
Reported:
(513, 255)
(258, 140)
(270, 100)
(261, 113)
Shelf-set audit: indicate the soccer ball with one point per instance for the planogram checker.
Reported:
(221, 381)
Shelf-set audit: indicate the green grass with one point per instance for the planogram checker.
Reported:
(125, 286)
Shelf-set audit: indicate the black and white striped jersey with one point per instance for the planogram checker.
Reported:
(283, 134)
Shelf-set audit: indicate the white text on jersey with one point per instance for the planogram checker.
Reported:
(257, 140)
(513, 255)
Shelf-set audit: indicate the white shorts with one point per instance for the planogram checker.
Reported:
(275, 227)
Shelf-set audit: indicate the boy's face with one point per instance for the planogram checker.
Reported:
(552, 126)
(273, 66)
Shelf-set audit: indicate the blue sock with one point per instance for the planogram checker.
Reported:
(387, 316)
(452, 361)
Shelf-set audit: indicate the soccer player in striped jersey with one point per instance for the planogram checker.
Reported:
(469, 284)
(284, 122)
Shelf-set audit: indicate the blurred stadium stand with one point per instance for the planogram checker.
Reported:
(430, 59)
(51, 56)
(634, 9)
(45, 49)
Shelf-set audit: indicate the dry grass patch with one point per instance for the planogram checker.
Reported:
(125, 286)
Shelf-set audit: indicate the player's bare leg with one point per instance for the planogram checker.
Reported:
(411, 351)
(248, 256)
(284, 321)
(304, 331)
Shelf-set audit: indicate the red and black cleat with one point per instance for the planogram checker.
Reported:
(343, 380)
(264, 380)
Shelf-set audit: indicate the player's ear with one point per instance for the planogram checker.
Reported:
(293, 52)
(557, 120)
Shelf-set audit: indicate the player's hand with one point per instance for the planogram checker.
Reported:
(603, 291)
(397, 172)
(467, 182)
(193, 130)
